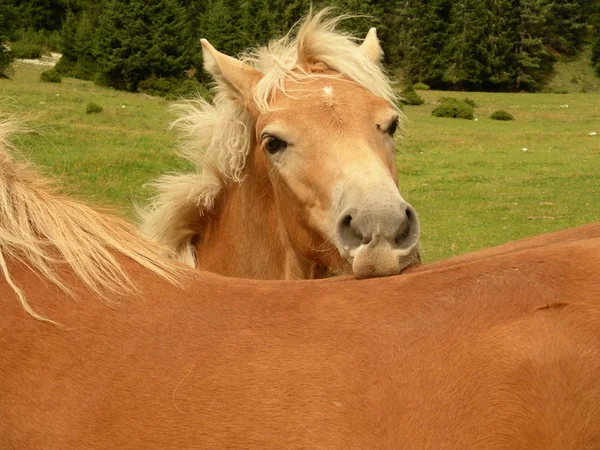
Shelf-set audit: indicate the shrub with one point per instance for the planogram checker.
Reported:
(410, 96)
(501, 115)
(50, 76)
(93, 108)
(157, 85)
(189, 88)
(100, 79)
(25, 50)
(48, 40)
(6, 58)
(470, 102)
(421, 86)
(561, 91)
(453, 107)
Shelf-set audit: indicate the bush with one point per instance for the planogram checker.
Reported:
(421, 86)
(48, 40)
(453, 107)
(50, 76)
(100, 79)
(6, 58)
(470, 102)
(501, 115)
(189, 88)
(93, 108)
(83, 68)
(410, 96)
(25, 50)
(561, 91)
(160, 86)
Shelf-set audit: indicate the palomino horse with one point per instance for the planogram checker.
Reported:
(497, 349)
(296, 165)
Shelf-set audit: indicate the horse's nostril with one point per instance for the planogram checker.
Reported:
(349, 234)
(401, 237)
(405, 235)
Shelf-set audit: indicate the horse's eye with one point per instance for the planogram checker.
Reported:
(275, 145)
(392, 128)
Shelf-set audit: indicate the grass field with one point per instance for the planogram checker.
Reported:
(472, 182)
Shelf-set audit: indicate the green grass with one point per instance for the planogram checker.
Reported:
(105, 158)
(470, 181)
(474, 186)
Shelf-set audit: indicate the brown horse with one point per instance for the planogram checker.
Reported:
(296, 171)
(497, 349)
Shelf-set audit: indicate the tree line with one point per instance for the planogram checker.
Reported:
(153, 45)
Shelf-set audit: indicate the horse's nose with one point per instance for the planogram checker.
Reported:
(399, 226)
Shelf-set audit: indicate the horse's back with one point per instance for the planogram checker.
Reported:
(498, 352)
(528, 384)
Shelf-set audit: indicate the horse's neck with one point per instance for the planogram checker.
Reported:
(243, 237)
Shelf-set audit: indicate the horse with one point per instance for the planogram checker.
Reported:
(295, 164)
(495, 349)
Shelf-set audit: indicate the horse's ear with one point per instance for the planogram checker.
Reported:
(370, 46)
(238, 77)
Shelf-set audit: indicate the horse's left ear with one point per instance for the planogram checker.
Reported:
(370, 46)
(237, 77)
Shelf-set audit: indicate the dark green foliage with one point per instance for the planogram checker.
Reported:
(157, 86)
(501, 115)
(41, 14)
(453, 107)
(560, 91)
(190, 89)
(566, 25)
(100, 79)
(423, 35)
(596, 52)
(93, 108)
(465, 49)
(80, 58)
(421, 86)
(470, 102)
(410, 96)
(50, 76)
(495, 45)
(8, 14)
(24, 50)
(137, 40)
(48, 40)
(257, 23)
(219, 27)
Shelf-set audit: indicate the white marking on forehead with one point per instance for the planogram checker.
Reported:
(328, 90)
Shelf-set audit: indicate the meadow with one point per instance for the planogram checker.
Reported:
(474, 183)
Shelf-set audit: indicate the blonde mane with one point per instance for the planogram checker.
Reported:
(48, 232)
(219, 135)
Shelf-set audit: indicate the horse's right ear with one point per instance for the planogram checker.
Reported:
(237, 77)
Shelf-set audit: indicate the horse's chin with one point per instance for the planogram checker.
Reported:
(382, 261)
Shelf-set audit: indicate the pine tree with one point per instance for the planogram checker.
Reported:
(502, 34)
(8, 15)
(257, 23)
(423, 39)
(68, 35)
(466, 51)
(368, 12)
(221, 26)
(41, 14)
(566, 25)
(596, 50)
(534, 63)
(138, 40)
